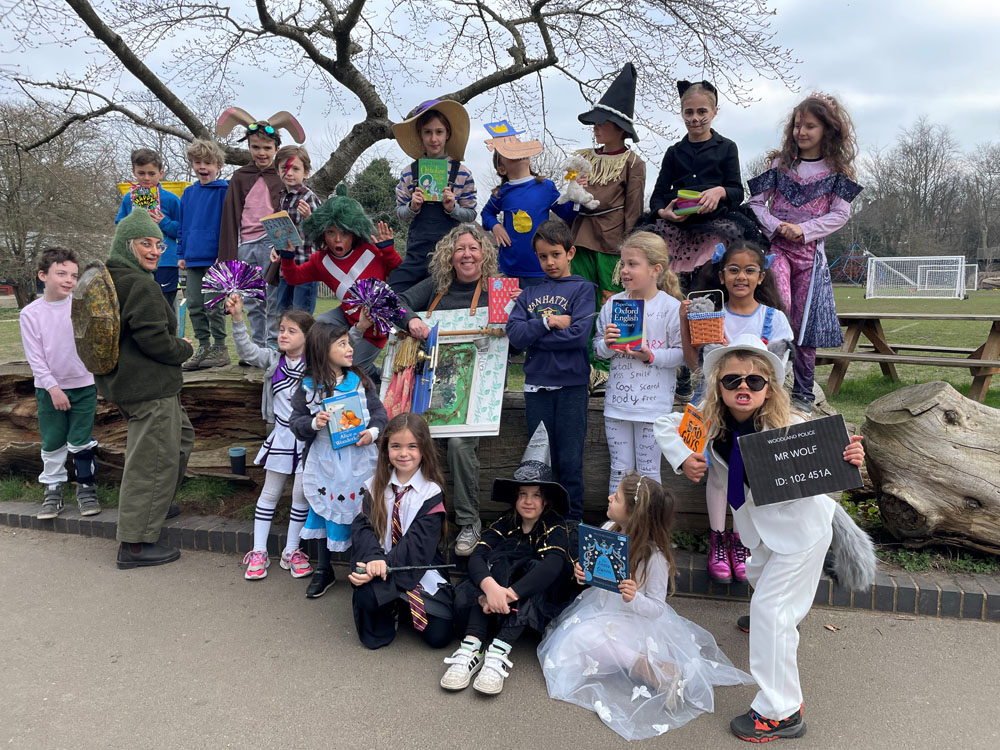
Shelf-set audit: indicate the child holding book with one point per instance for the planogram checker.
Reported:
(299, 202)
(641, 380)
(64, 389)
(524, 198)
(618, 180)
(281, 453)
(751, 305)
(165, 210)
(332, 478)
(348, 250)
(551, 321)
(629, 656)
(198, 250)
(401, 524)
(788, 541)
(519, 572)
(436, 129)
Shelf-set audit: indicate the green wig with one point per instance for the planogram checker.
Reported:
(339, 211)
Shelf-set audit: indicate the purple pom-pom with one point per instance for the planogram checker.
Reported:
(228, 277)
(379, 302)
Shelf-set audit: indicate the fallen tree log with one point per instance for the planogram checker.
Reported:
(224, 407)
(934, 459)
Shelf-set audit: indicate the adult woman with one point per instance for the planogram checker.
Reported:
(462, 261)
(145, 386)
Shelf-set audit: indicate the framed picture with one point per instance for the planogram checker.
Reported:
(466, 392)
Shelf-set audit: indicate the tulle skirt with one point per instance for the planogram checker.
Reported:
(641, 676)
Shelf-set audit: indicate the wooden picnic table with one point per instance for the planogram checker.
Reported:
(983, 362)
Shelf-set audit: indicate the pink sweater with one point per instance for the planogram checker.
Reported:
(47, 335)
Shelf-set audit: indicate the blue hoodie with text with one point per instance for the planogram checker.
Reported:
(554, 357)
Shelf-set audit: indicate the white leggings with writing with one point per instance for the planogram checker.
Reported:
(633, 448)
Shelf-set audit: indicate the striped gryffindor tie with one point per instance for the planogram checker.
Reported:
(415, 599)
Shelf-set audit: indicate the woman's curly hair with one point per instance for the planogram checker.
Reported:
(440, 266)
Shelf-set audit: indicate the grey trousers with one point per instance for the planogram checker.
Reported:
(261, 316)
(157, 448)
(209, 324)
(463, 463)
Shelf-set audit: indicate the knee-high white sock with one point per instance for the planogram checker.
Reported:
(297, 518)
(274, 482)
(715, 499)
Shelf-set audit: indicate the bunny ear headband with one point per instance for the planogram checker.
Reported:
(683, 86)
(234, 116)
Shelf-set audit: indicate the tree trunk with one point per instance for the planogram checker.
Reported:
(24, 291)
(934, 459)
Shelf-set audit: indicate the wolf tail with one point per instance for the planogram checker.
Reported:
(853, 563)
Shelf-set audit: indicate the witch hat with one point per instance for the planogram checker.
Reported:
(617, 105)
(535, 470)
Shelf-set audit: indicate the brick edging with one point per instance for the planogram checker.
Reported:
(970, 597)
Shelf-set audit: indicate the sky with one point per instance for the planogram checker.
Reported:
(888, 61)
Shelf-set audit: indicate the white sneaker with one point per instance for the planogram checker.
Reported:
(465, 662)
(490, 678)
(468, 538)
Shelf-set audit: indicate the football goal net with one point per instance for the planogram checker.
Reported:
(929, 277)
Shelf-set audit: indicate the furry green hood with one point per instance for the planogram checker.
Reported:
(339, 211)
(136, 224)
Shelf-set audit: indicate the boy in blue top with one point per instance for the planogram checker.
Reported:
(198, 250)
(147, 168)
(552, 321)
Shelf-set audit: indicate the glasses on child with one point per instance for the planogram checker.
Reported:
(749, 270)
(255, 126)
(754, 382)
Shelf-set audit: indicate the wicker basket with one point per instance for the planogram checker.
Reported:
(708, 327)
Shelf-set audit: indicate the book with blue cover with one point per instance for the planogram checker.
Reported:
(630, 317)
(346, 418)
(604, 556)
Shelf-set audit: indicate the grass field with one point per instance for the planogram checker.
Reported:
(864, 382)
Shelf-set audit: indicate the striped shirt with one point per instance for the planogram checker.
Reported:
(464, 189)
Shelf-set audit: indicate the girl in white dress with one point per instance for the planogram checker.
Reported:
(629, 657)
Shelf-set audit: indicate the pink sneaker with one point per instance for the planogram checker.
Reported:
(738, 556)
(297, 563)
(718, 557)
(256, 562)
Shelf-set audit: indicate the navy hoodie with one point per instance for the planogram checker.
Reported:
(556, 357)
(201, 216)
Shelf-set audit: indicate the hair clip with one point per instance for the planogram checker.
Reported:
(635, 499)
(768, 260)
(720, 250)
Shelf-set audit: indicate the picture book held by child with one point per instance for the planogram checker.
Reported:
(624, 653)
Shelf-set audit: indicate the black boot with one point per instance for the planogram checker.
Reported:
(324, 576)
(142, 554)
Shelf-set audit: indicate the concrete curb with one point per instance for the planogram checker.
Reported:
(970, 597)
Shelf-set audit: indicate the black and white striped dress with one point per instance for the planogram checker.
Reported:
(282, 452)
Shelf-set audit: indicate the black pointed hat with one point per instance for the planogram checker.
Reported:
(617, 105)
(535, 469)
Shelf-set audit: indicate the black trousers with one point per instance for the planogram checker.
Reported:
(377, 625)
(480, 626)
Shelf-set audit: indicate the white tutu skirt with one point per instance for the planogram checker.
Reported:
(641, 676)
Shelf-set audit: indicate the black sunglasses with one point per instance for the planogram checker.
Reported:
(754, 382)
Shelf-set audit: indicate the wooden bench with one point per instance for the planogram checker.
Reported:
(982, 362)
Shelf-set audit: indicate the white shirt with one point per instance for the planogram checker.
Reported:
(736, 323)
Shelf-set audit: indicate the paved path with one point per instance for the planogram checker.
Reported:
(191, 655)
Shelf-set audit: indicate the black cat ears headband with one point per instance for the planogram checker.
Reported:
(683, 86)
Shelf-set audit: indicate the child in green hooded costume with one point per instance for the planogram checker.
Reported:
(145, 386)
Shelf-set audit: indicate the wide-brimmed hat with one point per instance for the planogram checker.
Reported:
(409, 139)
(617, 105)
(504, 140)
(535, 470)
(746, 342)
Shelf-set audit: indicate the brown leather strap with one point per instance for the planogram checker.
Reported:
(475, 299)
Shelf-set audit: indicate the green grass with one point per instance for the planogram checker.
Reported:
(940, 559)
